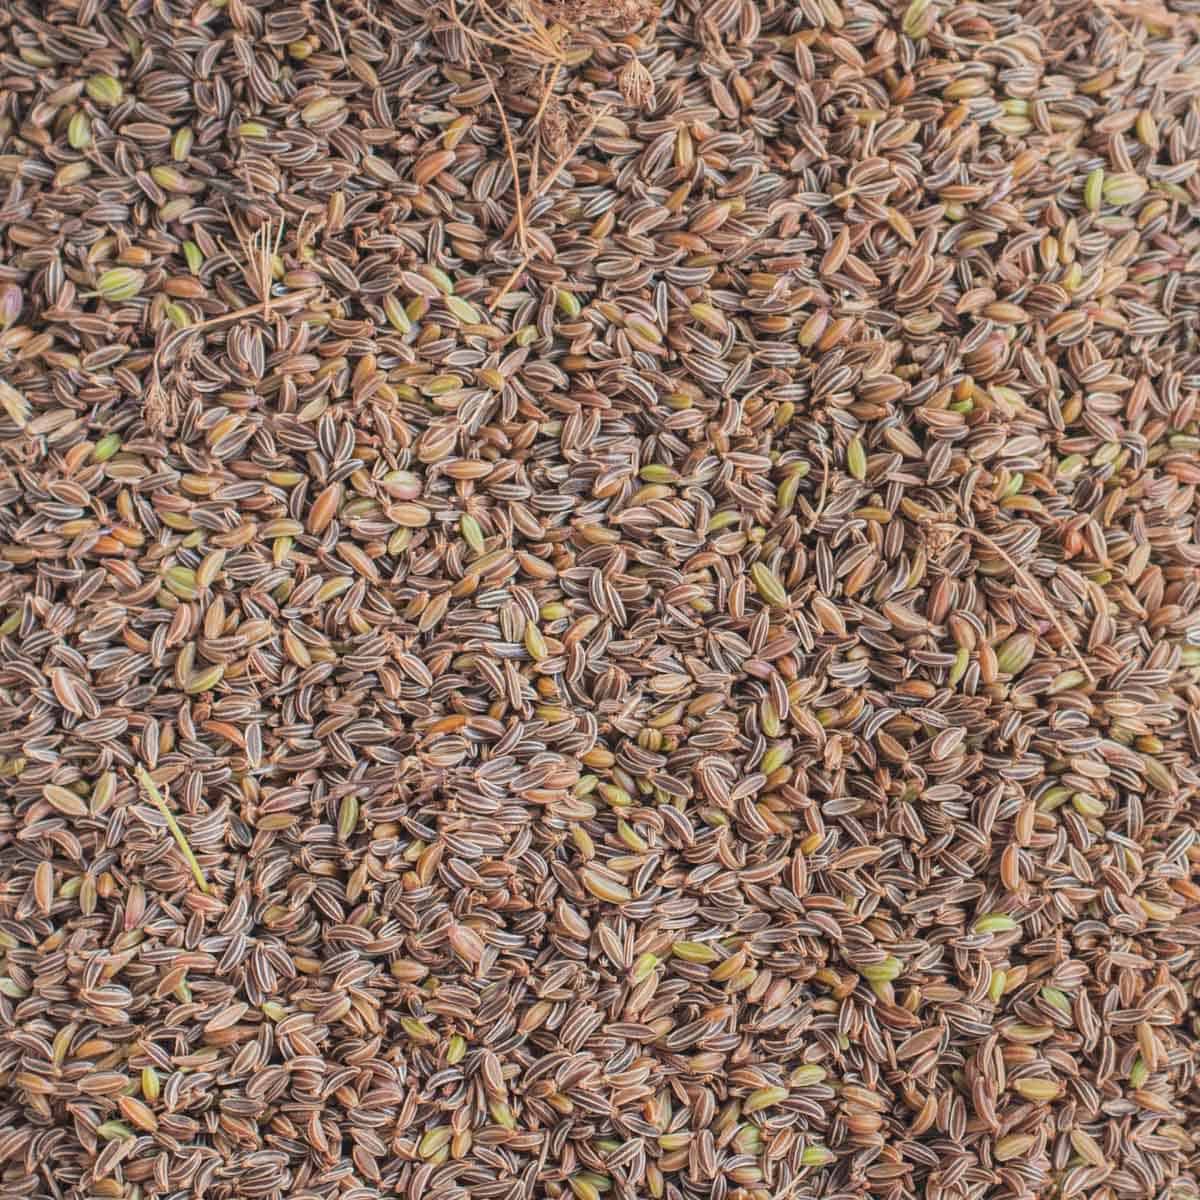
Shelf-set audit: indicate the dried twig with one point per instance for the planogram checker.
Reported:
(337, 33)
(541, 190)
(160, 803)
(251, 310)
(820, 510)
(1029, 582)
(522, 232)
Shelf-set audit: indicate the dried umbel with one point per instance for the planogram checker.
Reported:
(636, 84)
(657, 661)
(612, 14)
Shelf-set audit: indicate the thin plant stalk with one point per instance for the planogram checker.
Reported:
(180, 840)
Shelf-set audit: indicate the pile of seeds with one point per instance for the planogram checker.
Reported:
(599, 602)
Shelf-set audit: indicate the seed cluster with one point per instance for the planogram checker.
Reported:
(599, 601)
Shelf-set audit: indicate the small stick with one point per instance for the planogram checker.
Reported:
(522, 233)
(337, 33)
(820, 512)
(251, 310)
(173, 825)
(541, 190)
(1032, 584)
(537, 116)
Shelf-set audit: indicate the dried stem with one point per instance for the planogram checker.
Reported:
(522, 231)
(541, 190)
(1032, 584)
(337, 33)
(262, 308)
(820, 511)
(160, 803)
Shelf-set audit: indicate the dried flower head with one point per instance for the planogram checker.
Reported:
(554, 128)
(612, 14)
(636, 84)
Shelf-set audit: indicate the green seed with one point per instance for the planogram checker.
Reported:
(181, 143)
(808, 1075)
(696, 952)
(456, 1049)
(1066, 681)
(644, 330)
(775, 758)
(1159, 776)
(1139, 1072)
(1124, 188)
(604, 888)
(1093, 189)
(106, 447)
(347, 817)
(1038, 1090)
(658, 473)
(434, 1140)
(334, 588)
(502, 1114)
(618, 797)
(583, 1189)
(104, 90)
(472, 533)
(882, 972)
(535, 643)
(397, 317)
(1016, 653)
(1013, 1146)
(463, 310)
(816, 1156)
(178, 316)
(996, 986)
(1088, 806)
(194, 256)
(994, 923)
(763, 1097)
(439, 279)
(111, 1130)
(120, 283)
(79, 131)
(1053, 798)
(1057, 999)
(644, 967)
(171, 180)
(418, 1032)
(319, 110)
(205, 681)
(856, 458)
(962, 660)
(918, 19)
(181, 582)
(768, 585)
(706, 314)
